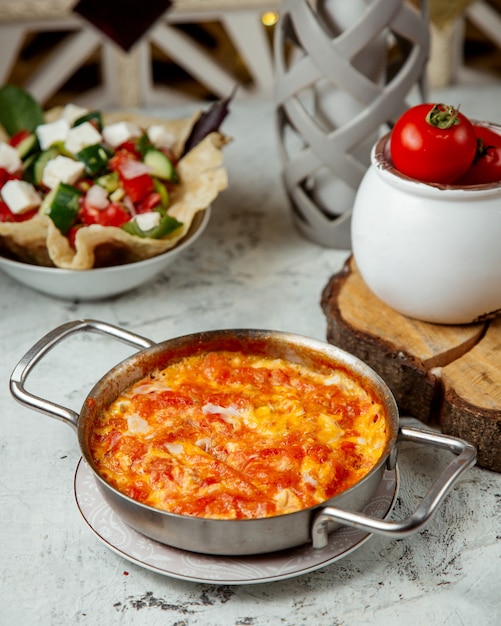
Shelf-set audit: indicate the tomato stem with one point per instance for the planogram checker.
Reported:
(482, 150)
(443, 116)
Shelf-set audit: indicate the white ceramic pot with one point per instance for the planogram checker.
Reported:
(431, 252)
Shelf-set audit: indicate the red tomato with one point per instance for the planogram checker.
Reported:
(130, 146)
(16, 139)
(113, 215)
(139, 187)
(149, 203)
(433, 143)
(72, 233)
(118, 158)
(488, 136)
(6, 175)
(134, 175)
(486, 167)
(6, 214)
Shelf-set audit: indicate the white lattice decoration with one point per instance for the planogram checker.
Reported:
(314, 66)
(127, 77)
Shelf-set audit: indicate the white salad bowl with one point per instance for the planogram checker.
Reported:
(431, 252)
(104, 282)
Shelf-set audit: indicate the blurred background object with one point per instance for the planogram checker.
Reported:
(343, 73)
(201, 49)
(465, 41)
(197, 49)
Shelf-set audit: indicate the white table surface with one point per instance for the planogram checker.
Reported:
(249, 269)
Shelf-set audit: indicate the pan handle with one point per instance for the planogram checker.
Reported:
(466, 456)
(44, 345)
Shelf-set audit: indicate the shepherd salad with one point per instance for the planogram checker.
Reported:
(79, 172)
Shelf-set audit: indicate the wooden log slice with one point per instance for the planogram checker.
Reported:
(449, 376)
(472, 397)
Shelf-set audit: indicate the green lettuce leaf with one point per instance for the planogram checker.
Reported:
(19, 110)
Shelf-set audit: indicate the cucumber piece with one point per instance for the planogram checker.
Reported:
(29, 168)
(166, 226)
(108, 181)
(162, 190)
(63, 206)
(161, 166)
(61, 149)
(47, 201)
(95, 158)
(27, 146)
(117, 195)
(35, 164)
(40, 163)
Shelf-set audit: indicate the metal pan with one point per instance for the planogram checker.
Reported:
(253, 536)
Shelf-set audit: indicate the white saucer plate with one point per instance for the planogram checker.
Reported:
(221, 570)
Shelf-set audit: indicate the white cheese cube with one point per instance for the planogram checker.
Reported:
(9, 158)
(51, 133)
(72, 112)
(81, 136)
(62, 170)
(147, 221)
(116, 134)
(160, 136)
(20, 196)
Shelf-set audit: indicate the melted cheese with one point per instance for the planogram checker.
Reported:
(227, 435)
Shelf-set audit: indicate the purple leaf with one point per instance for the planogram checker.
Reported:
(209, 122)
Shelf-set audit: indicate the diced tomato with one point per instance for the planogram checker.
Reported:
(134, 176)
(138, 188)
(130, 146)
(151, 201)
(6, 214)
(113, 215)
(120, 157)
(88, 215)
(16, 139)
(72, 233)
(5, 176)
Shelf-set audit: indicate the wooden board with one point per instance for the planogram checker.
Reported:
(443, 375)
